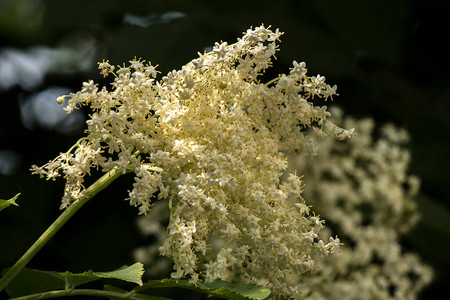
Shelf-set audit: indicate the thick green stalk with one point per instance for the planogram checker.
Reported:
(79, 292)
(91, 191)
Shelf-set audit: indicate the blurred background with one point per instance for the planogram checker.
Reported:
(389, 59)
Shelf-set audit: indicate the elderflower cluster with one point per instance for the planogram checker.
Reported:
(362, 188)
(220, 137)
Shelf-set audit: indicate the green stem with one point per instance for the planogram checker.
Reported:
(79, 292)
(91, 191)
(272, 81)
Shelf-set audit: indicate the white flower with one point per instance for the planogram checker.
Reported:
(220, 137)
(345, 134)
(89, 87)
(220, 50)
(299, 69)
(361, 187)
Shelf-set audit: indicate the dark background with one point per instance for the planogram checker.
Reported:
(389, 59)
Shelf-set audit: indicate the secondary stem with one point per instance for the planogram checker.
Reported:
(79, 292)
(91, 191)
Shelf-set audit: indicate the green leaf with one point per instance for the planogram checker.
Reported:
(112, 288)
(247, 290)
(5, 203)
(74, 280)
(220, 288)
(132, 273)
(31, 281)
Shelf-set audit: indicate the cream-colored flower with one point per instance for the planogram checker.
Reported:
(221, 137)
(363, 189)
